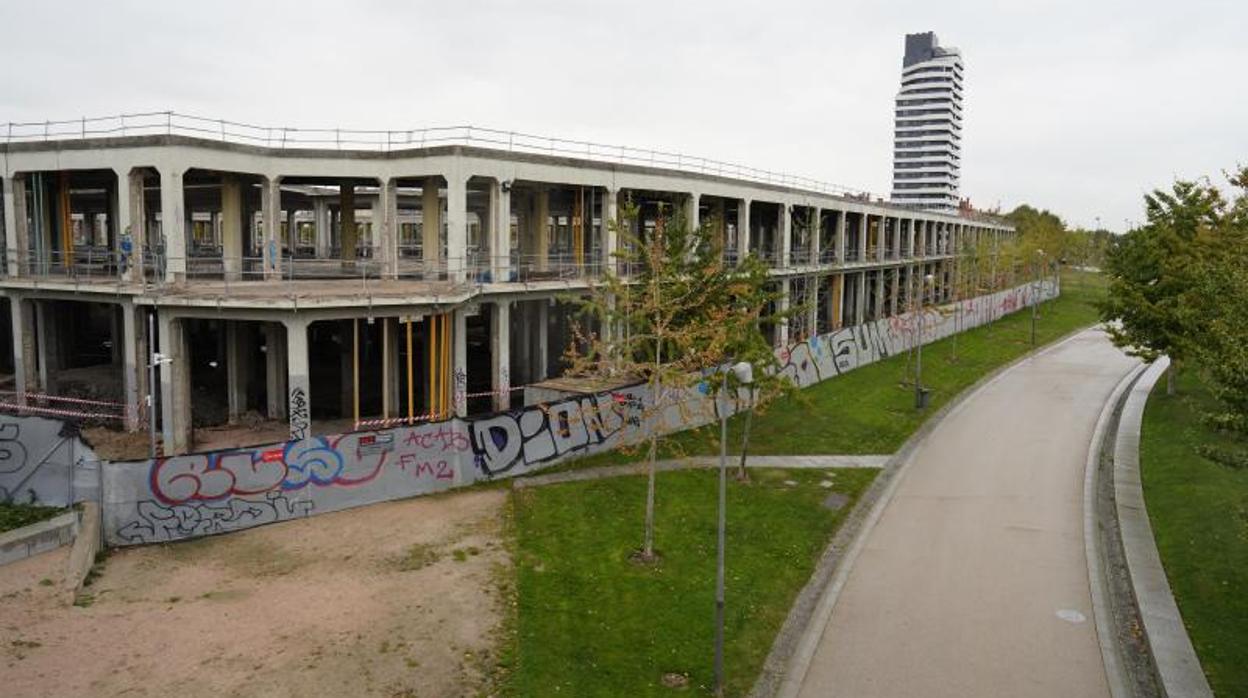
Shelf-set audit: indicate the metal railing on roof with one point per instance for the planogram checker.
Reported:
(285, 137)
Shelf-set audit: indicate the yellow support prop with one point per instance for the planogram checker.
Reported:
(411, 394)
(355, 368)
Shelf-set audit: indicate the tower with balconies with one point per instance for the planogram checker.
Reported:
(927, 137)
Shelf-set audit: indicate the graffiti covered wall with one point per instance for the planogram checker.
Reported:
(44, 461)
(207, 493)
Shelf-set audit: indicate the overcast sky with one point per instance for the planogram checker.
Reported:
(1078, 106)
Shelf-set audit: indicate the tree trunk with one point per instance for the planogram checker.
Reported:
(745, 438)
(1170, 378)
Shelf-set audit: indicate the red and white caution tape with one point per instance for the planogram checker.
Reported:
(61, 398)
(58, 412)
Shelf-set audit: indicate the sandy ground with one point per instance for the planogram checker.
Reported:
(397, 599)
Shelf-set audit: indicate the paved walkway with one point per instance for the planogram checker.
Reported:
(974, 581)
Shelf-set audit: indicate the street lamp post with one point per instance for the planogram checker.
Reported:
(744, 373)
(1035, 291)
(920, 395)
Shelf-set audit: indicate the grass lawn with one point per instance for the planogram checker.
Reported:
(870, 409)
(17, 515)
(1199, 513)
(592, 623)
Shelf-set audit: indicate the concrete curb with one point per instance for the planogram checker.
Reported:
(39, 537)
(795, 644)
(86, 545)
(1102, 610)
(1177, 665)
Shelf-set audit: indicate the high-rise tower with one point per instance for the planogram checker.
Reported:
(927, 150)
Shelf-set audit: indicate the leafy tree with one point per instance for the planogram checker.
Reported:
(1152, 271)
(680, 312)
(1217, 338)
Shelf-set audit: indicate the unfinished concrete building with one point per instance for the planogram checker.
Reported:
(332, 280)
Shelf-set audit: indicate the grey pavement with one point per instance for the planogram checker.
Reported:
(973, 581)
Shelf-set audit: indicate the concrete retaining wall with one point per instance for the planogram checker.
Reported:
(36, 538)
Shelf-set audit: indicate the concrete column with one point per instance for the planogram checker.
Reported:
(320, 219)
(386, 230)
(881, 249)
(860, 299)
(500, 354)
(743, 228)
(841, 218)
(348, 238)
(231, 227)
(500, 238)
(275, 370)
(694, 210)
(459, 360)
(863, 242)
(610, 228)
(782, 303)
(16, 235)
(816, 230)
(175, 384)
(524, 340)
(541, 229)
(834, 307)
(173, 224)
(456, 226)
(132, 223)
(237, 367)
(271, 215)
(48, 344)
(299, 396)
(25, 370)
(394, 379)
(785, 231)
(543, 339)
(135, 357)
(431, 225)
(812, 306)
(895, 278)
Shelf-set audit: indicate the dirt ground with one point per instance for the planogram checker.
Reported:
(397, 599)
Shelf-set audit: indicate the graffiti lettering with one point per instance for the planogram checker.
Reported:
(300, 419)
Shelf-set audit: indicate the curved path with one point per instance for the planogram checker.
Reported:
(974, 582)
